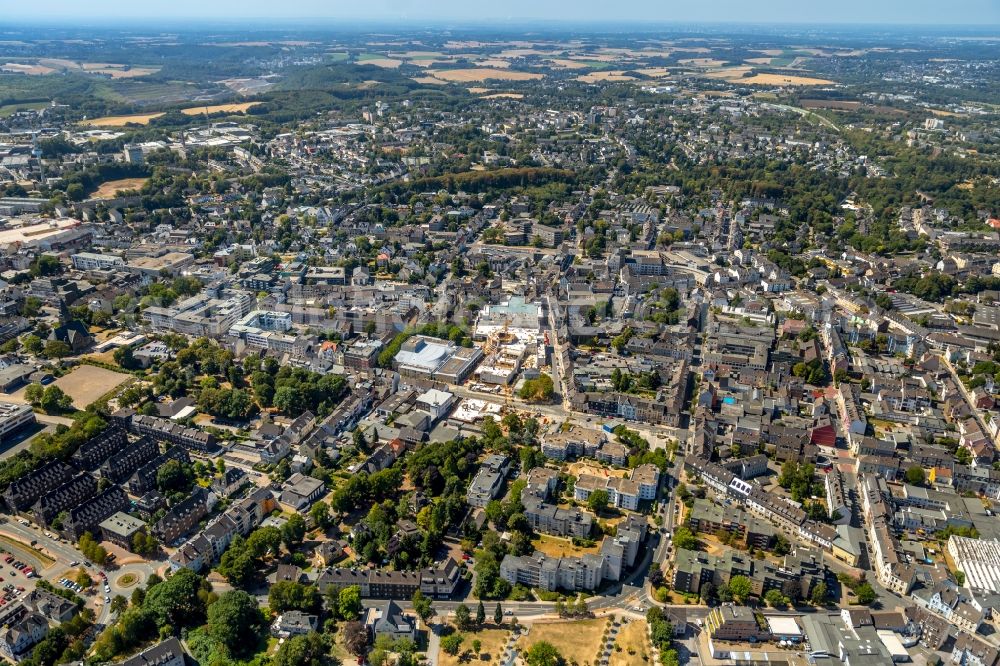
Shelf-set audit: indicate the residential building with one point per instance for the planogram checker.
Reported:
(486, 484)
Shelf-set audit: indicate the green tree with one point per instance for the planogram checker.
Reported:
(349, 605)
(293, 531)
(33, 393)
(320, 514)
(537, 390)
(291, 595)
(236, 622)
(176, 602)
(915, 476)
(866, 594)
(174, 476)
(118, 604)
(452, 643)
(598, 500)
(57, 349)
(819, 594)
(308, 650)
(775, 598)
(498, 615)
(480, 614)
(32, 344)
(684, 538)
(422, 606)
(739, 587)
(54, 400)
(463, 617)
(543, 653)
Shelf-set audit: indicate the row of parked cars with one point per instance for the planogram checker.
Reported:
(18, 565)
(71, 585)
(10, 594)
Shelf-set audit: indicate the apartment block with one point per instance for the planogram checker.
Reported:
(182, 517)
(165, 430)
(22, 493)
(144, 478)
(96, 450)
(623, 493)
(488, 480)
(70, 494)
(121, 465)
(438, 582)
(14, 417)
(88, 516)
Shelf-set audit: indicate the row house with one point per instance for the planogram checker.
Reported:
(22, 493)
(121, 465)
(182, 517)
(239, 519)
(88, 516)
(144, 478)
(96, 450)
(66, 496)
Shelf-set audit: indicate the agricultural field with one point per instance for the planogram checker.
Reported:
(482, 74)
(26, 68)
(44, 66)
(219, 108)
(782, 80)
(607, 76)
(122, 121)
(10, 109)
(379, 60)
(577, 641)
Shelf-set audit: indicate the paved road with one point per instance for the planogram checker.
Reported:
(64, 553)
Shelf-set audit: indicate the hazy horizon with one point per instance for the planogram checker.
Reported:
(982, 13)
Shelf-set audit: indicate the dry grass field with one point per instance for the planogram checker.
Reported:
(566, 63)
(482, 74)
(493, 641)
(632, 639)
(110, 69)
(110, 188)
(26, 68)
(577, 640)
(496, 63)
(121, 121)
(379, 60)
(219, 108)
(86, 383)
(656, 72)
(559, 547)
(610, 77)
(702, 62)
(505, 95)
(783, 80)
(729, 72)
(583, 467)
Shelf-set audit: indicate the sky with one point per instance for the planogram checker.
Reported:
(909, 12)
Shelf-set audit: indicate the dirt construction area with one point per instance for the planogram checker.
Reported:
(86, 383)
